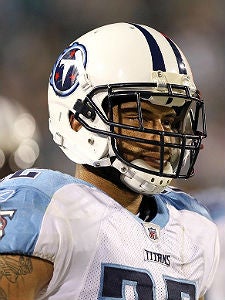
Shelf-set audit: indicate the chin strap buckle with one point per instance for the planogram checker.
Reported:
(104, 162)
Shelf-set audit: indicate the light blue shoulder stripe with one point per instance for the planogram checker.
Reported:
(48, 181)
(183, 201)
(179, 200)
(24, 198)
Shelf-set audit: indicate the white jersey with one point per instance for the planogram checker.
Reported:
(99, 249)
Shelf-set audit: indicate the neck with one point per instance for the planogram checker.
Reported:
(120, 193)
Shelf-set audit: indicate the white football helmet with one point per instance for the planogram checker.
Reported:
(119, 63)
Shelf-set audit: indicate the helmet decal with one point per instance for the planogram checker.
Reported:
(157, 58)
(64, 74)
(180, 61)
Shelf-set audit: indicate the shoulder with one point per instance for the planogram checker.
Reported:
(213, 198)
(25, 198)
(183, 201)
(196, 228)
(43, 180)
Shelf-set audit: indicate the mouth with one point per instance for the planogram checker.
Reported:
(154, 160)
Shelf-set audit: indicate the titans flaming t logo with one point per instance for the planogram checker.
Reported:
(64, 74)
(3, 221)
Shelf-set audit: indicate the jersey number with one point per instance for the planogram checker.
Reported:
(24, 174)
(116, 278)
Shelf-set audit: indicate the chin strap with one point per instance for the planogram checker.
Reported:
(141, 182)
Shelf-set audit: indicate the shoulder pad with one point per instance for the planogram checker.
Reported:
(24, 199)
(183, 201)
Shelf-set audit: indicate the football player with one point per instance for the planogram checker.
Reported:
(124, 107)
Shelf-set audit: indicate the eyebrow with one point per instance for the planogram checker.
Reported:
(146, 111)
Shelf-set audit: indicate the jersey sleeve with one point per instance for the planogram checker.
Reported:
(183, 201)
(21, 217)
(24, 200)
(54, 217)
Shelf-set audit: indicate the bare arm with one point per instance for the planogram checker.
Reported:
(202, 298)
(23, 277)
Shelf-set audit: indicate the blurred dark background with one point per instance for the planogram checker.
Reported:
(33, 33)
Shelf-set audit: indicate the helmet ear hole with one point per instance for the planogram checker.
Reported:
(75, 125)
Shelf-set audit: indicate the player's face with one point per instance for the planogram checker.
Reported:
(154, 117)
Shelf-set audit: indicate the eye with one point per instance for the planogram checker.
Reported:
(132, 121)
(133, 117)
(168, 122)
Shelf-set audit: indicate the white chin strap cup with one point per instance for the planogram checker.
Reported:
(144, 183)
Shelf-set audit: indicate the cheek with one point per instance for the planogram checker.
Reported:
(128, 149)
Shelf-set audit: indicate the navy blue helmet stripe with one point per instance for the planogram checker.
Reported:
(180, 61)
(157, 58)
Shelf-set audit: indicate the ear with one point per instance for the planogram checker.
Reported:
(74, 123)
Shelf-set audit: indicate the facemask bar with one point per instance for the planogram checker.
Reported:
(185, 144)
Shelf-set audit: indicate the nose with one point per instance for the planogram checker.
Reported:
(158, 127)
(155, 124)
